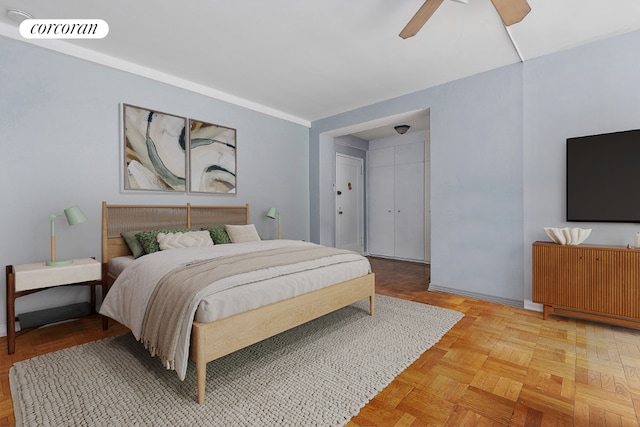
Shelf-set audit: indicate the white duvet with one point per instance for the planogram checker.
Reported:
(127, 299)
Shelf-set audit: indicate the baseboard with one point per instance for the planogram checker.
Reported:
(490, 298)
(533, 306)
(418, 261)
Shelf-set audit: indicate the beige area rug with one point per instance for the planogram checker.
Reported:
(320, 373)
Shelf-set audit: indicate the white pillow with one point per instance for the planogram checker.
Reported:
(187, 239)
(242, 233)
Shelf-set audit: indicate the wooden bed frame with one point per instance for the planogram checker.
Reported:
(210, 341)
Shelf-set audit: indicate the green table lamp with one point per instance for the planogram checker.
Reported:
(273, 214)
(74, 216)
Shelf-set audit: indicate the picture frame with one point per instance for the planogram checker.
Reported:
(212, 158)
(155, 157)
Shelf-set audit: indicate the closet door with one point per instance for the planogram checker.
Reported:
(409, 211)
(381, 211)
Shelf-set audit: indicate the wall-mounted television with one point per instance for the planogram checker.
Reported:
(603, 177)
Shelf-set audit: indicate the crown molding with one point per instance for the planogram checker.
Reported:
(70, 49)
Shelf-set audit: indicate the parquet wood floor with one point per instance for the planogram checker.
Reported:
(502, 365)
(498, 366)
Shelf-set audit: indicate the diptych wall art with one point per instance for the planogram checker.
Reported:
(212, 158)
(159, 146)
(154, 150)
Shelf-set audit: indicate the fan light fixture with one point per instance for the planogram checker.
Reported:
(510, 11)
(74, 216)
(273, 214)
(402, 129)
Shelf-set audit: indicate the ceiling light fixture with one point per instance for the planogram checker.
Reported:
(18, 15)
(402, 129)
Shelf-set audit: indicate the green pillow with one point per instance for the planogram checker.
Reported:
(134, 244)
(149, 238)
(218, 234)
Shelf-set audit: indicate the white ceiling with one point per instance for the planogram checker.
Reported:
(304, 60)
(418, 120)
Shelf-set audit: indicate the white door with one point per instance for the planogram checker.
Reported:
(409, 215)
(349, 203)
(381, 211)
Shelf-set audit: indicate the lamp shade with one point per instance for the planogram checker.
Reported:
(74, 215)
(272, 213)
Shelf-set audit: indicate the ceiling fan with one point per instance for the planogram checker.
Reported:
(511, 12)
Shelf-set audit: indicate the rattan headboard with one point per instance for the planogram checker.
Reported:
(117, 219)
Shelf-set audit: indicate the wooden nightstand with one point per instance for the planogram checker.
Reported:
(26, 279)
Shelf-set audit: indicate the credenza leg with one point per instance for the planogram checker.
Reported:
(11, 310)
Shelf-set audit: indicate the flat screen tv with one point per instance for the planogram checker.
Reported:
(603, 177)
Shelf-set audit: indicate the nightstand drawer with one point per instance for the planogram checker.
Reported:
(39, 275)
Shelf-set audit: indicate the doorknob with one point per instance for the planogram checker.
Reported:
(339, 212)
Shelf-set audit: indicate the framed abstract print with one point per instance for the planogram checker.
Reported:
(154, 150)
(212, 158)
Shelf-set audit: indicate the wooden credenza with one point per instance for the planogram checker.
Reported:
(592, 282)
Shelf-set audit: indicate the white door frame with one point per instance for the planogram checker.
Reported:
(360, 201)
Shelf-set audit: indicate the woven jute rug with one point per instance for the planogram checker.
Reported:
(320, 373)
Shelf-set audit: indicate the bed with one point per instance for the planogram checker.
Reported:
(215, 337)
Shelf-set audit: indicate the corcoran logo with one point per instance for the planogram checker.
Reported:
(64, 29)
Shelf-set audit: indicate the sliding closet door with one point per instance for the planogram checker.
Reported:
(381, 211)
(396, 201)
(409, 215)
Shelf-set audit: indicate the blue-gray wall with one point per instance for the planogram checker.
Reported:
(476, 178)
(497, 159)
(61, 146)
(588, 90)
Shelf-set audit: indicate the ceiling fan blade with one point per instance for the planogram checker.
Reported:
(511, 11)
(420, 18)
